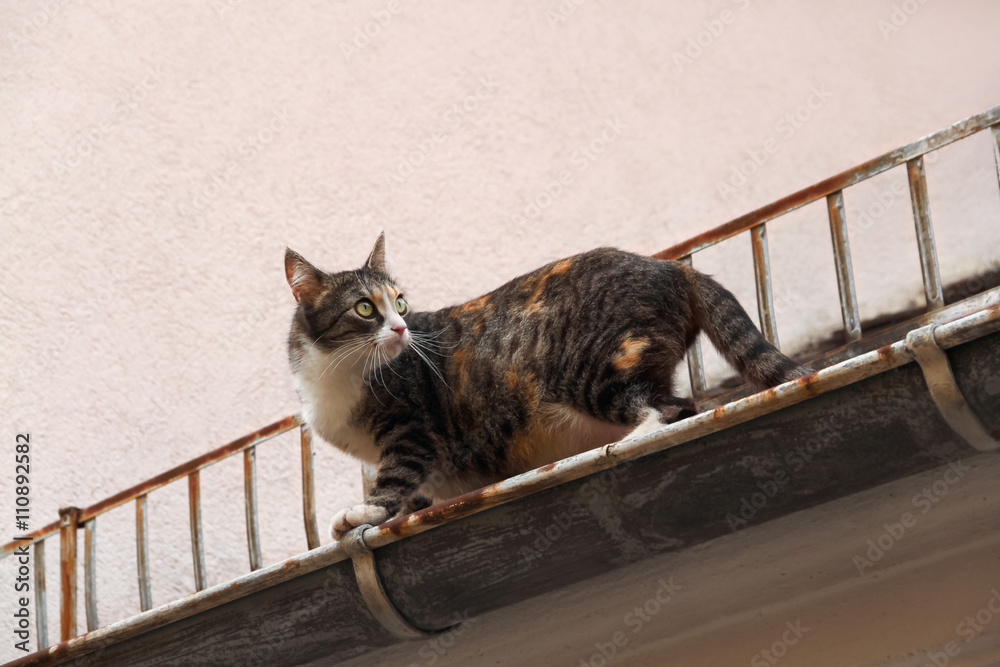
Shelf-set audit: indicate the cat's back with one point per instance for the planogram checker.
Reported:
(598, 285)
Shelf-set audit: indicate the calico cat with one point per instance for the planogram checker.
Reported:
(560, 360)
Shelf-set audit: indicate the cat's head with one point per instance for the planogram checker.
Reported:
(359, 313)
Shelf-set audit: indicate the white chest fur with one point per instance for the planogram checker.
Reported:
(329, 396)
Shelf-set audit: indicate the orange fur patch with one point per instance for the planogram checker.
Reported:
(629, 353)
(562, 266)
(376, 298)
(475, 304)
(535, 303)
(511, 378)
(459, 357)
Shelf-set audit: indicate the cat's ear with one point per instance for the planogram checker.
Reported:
(377, 258)
(304, 278)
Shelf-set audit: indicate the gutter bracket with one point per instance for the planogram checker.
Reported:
(944, 390)
(370, 585)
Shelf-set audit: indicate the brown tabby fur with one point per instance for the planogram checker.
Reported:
(568, 357)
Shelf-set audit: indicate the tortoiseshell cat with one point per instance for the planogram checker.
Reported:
(560, 360)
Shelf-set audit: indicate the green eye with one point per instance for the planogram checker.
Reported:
(365, 308)
(400, 306)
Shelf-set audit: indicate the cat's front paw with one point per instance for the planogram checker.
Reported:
(347, 519)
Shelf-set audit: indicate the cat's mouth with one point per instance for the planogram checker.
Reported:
(392, 346)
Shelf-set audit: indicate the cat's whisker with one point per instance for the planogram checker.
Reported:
(420, 353)
(369, 369)
(431, 341)
(347, 354)
(426, 336)
(431, 335)
(340, 354)
(377, 366)
(345, 344)
(372, 374)
(394, 371)
(312, 343)
(436, 346)
(387, 364)
(437, 352)
(349, 347)
(376, 373)
(344, 341)
(365, 373)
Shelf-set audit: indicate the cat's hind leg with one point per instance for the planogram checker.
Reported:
(674, 409)
(671, 408)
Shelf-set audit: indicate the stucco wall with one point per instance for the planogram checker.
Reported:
(158, 157)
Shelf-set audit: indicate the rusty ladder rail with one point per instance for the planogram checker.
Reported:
(755, 222)
(72, 519)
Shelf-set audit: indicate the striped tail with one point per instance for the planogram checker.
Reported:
(736, 337)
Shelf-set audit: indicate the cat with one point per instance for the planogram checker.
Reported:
(571, 356)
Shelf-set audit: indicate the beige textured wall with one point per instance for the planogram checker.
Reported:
(158, 157)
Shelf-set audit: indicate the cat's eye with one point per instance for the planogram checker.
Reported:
(365, 308)
(400, 305)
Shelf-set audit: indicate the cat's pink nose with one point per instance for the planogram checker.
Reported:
(400, 329)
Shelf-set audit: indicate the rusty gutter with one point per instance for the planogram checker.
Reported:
(845, 373)
(886, 336)
(209, 598)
